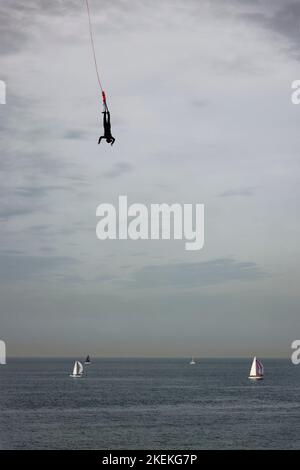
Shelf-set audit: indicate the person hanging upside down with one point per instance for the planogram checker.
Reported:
(107, 127)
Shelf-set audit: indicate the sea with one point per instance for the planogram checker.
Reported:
(149, 404)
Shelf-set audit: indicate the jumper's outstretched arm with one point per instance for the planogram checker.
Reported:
(100, 138)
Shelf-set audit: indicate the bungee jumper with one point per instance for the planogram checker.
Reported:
(106, 114)
(106, 123)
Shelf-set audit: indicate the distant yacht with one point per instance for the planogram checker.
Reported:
(192, 362)
(88, 360)
(77, 370)
(257, 370)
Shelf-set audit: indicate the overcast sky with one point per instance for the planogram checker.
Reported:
(200, 96)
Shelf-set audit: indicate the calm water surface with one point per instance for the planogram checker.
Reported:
(149, 404)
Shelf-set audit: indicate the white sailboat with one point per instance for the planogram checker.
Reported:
(77, 370)
(192, 362)
(257, 370)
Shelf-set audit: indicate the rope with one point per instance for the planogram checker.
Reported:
(93, 48)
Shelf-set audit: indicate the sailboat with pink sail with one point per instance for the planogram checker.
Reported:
(257, 370)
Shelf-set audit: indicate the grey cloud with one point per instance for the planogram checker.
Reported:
(14, 102)
(79, 180)
(199, 103)
(11, 210)
(33, 162)
(238, 192)
(40, 191)
(197, 274)
(45, 232)
(75, 134)
(32, 192)
(23, 200)
(15, 268)
(47, 249)
(10, 40)
(19, 18)
(279, 17)
(139, 253)
(104, 278)
(40, 228)
(11, 252)
(71, 279)
(118, 169)
(286, 22)
(162, 186)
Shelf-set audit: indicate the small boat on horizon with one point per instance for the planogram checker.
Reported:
(192, 362)
(88, 360)
(77, 369)
(257, 370)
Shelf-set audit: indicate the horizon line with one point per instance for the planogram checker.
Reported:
(144, 357)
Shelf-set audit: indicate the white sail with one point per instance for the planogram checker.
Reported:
(77, 369)
(253, 368)
(80, 368)
(257, 369)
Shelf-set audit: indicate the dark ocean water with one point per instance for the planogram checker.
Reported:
(149, 404)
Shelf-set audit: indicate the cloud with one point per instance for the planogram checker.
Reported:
(40, 191)
(281, 18)
(11, 252)
(32, 192)
(199, 103)
(249, 191)
(14, 268)
(118, 169)
(207, 273)
(10, 210)
(75, 134)
(24, 200)
(18, 20)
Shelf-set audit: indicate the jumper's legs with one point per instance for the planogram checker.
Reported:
(108, 118)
